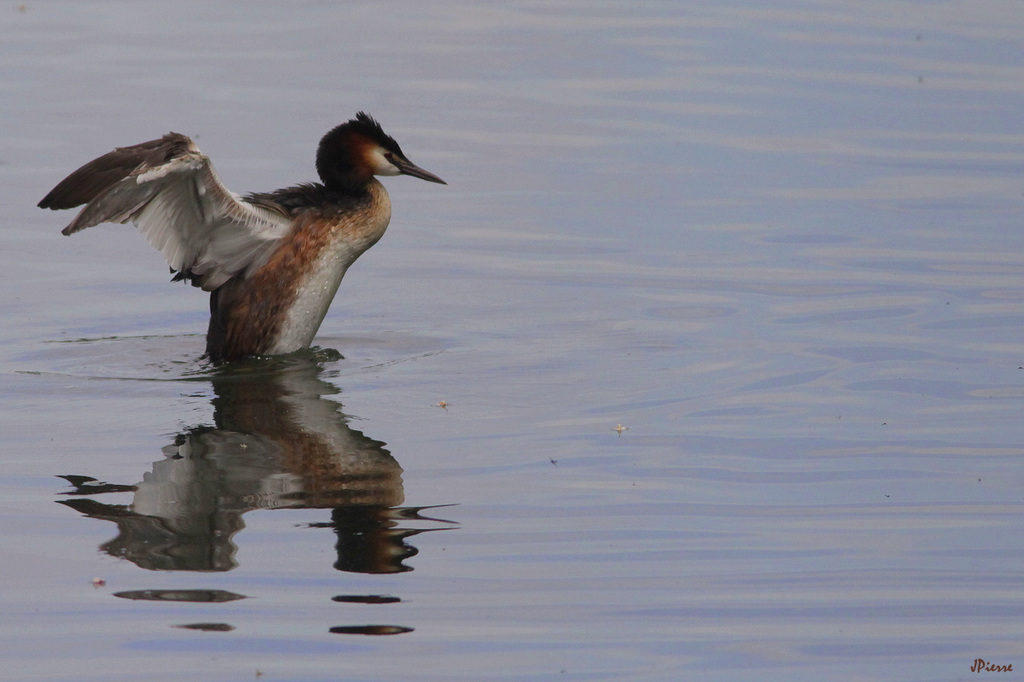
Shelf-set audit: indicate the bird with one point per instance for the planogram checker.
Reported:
(271, 261)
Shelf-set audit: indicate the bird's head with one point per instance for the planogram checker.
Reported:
(353, 152)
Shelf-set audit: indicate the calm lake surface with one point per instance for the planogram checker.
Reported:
(707, 364)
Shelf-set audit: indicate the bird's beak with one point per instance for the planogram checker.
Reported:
(407, 167)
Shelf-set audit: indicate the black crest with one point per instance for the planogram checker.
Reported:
(366, 125)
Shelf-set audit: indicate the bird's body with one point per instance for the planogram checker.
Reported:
(271, 261)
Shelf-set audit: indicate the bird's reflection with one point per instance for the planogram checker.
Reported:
(277, 443)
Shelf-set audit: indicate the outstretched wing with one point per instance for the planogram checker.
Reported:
(169, 189)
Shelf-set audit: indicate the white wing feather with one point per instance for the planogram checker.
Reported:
(188, 215)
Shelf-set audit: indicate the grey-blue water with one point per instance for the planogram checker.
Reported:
(707, 364)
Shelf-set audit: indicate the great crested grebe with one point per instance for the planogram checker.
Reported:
(272, 261)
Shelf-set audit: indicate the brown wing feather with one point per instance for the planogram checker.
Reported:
(169, 190)
(99, 175)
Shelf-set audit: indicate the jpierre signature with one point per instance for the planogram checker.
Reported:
(981, 665)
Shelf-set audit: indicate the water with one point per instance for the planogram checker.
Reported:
(705, 365)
